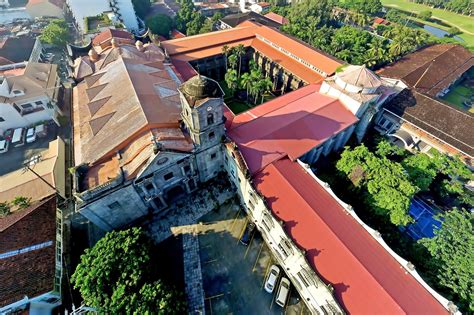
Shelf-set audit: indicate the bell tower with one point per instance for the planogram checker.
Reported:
(203, 117)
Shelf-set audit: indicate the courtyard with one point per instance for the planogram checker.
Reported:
(233, 274)
(461, 95)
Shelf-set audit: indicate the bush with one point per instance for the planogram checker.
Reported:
(4, 209)
(425, 15)
(160, 24)
(453, 31)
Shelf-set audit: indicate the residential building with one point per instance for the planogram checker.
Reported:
(418, 118)
(233, 20)
(49, 8)
(277, 18)
(31, 239)
(17, 51)
(29, 95)
(260, 7)
(119, 11)
(169, 131)
(209, 9)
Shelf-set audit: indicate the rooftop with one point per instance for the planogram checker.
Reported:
(277, 18)
(50, 166)
(432, 69)
(366, 278)
(439, 119)
(31, 272)
(235, 19)
(16, 49)
(289, 125)
(108, 34)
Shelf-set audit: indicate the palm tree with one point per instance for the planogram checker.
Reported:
(376, 53)
(239, 51)
(225, 52)
(233, 61)
(246, 82)
(231, 80)
(265, 86)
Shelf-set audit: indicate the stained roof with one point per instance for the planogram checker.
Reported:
(365, 277)
(441, 120)
(289, 125)
(109, 33)
(359, 76)
(260, 37)
(431, 69)
(30, 273)
(129, 92)
(17, 49)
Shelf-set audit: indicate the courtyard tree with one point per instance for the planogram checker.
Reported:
(265, 86)
(384, 183)
(421, 170)
(225, 52)
(233, 61)
(232, 80)
(56, 33)
(117, 276)
(452, 253)
(240, 51)
(246, 83)
(160, 24)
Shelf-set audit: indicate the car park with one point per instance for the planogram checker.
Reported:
(272, 278)
(247, 236)
(283, 292)
(4, 145)
(40, 131)
(30, 135)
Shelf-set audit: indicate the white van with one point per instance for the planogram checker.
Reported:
(18, 138)
(283, 292)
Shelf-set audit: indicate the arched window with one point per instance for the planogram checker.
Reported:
(210, 119)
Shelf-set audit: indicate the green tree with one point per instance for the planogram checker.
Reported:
(265, 86)
(4, 209)
(142, 7)
(453, 31)
(160, 24)
(196, 23)
(56, 33)
(246, 83)
(385, 184)
(226, 52)
(240, 51)
(453, 254)
(21, 202)
(232, 80)
(425, 15)
(421, 170)
(233, 61)
(116, 276)
(364, 6)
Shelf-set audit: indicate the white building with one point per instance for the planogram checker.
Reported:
(122, 11)
(28, 95)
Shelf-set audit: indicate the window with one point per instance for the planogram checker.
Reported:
(187, 169)
(114, 205)
(213, 156)
(17, 92)
(211, 135)
(149, 187)
(168, 176)
(39, 103)
(26, 106)
(2, 119)
(210, 119)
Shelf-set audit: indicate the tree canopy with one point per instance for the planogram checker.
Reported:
(160, 24)
(56, 33)
(453, 255)
(142, 7)
(385, 183)
(116, 276)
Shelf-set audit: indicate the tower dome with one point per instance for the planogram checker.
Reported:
(200, 87)
(358, 79)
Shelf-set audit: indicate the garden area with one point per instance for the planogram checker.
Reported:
(243, 90)
(395, 192)
(462, 94)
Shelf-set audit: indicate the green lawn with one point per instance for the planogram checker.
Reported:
(238, 107)
(458, 95)
(463, 22)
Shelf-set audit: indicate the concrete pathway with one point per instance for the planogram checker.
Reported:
(193, 275)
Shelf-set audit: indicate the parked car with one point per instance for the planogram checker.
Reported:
(247, 236)
(40, 131)
(272, 278)
(4, 145)
(18, 138)
(283, 292)
(30, 135)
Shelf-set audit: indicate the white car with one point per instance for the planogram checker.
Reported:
(272, 278)
(30, 135)
(283, 292)
(3, 146)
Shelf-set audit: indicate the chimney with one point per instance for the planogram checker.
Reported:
(139, 45)
(93, 55)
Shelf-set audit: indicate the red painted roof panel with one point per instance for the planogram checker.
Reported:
(365, 277)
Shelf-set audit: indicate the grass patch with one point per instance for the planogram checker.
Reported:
(238, 107)
(463, 22)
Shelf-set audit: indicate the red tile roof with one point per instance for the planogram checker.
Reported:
(277, 18)
(177, 34)
(30, 273)
(210, 44)
(108, 34)
(379, 20)
(365, 277)
(289, 125)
